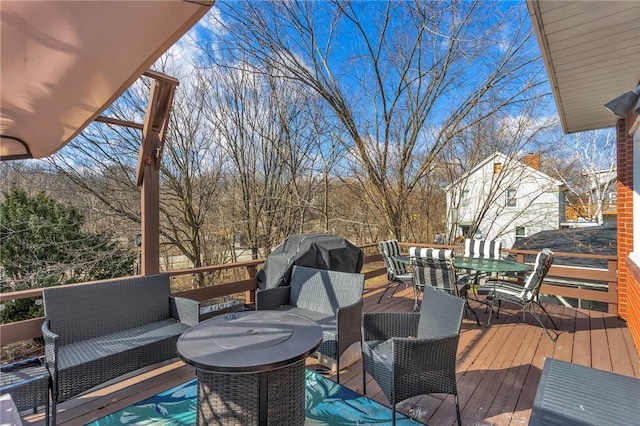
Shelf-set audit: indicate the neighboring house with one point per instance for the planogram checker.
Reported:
(503, 199)
(597, 205)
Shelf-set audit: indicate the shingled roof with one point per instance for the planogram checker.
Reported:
(592, 240)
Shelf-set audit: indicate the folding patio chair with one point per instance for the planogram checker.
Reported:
(397, 272)
(527, 296)
(434, 267)
(478, 249)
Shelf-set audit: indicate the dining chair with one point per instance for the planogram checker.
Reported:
(527, 296)
(397, 272)
(434, 267)
(414, 353)
(478, 249)
(482, 248)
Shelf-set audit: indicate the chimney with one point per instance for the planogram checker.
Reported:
(532, 160)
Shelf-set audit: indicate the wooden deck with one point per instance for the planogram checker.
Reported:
(498, 367)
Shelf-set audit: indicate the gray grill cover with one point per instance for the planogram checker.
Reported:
(320, 251)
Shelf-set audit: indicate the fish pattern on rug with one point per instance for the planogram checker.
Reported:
(326, 403)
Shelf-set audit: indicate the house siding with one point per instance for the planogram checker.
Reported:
(538, 200)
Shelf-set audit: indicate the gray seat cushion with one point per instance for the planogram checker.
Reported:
(103, 346)
(327, 322)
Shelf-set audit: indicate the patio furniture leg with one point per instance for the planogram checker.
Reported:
(469, 308)
(393, 414)
(416, 295)
(364, 381)
(555, 326)
(388, 286)
(537, 317)
(458, 410)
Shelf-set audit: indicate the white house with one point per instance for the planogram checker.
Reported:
(503, 199)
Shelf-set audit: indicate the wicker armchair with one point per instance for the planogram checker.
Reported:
(332, 299)
(410, 354)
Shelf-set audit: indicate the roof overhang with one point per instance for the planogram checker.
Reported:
(64, 62)
(591, 50)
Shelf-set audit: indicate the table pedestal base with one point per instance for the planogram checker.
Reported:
(274, 397)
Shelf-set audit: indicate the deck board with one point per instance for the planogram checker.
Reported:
(499, 367)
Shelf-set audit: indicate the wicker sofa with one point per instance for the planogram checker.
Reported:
(96, 332)
(330, 298)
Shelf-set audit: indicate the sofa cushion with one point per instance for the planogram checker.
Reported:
(109, 344)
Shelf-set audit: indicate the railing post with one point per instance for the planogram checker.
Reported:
(520, 259)
(612, 287)
(250, 295)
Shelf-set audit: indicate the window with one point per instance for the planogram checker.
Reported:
(464, 198)
(497, 168)
(520, 233)
(511, 197)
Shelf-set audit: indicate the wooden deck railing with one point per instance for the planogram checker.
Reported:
(29, 329)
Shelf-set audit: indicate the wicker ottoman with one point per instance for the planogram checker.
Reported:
(28, 384)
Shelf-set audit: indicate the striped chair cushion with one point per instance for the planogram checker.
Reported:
(433, 267)
(544, 259)
(482, 248)
(522, 294)
(388, 249)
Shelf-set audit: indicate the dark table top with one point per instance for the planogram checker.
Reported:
(480, 264)
(249, 342)
(571, 394)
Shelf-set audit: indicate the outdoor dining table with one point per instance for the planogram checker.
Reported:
(490, 265)
(482, 264)
(250, 367)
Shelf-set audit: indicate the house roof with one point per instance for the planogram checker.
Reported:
(503, 159)
(591, 50)
(64, 62)
(599, 240)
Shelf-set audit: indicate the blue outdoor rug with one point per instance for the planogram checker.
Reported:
(327, 403)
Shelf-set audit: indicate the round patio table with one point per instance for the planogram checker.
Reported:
(489, 265)
(250, 367)
(483, 264)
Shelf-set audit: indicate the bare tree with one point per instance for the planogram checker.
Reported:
(402, 78)
(588, 171)
(265, 126)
